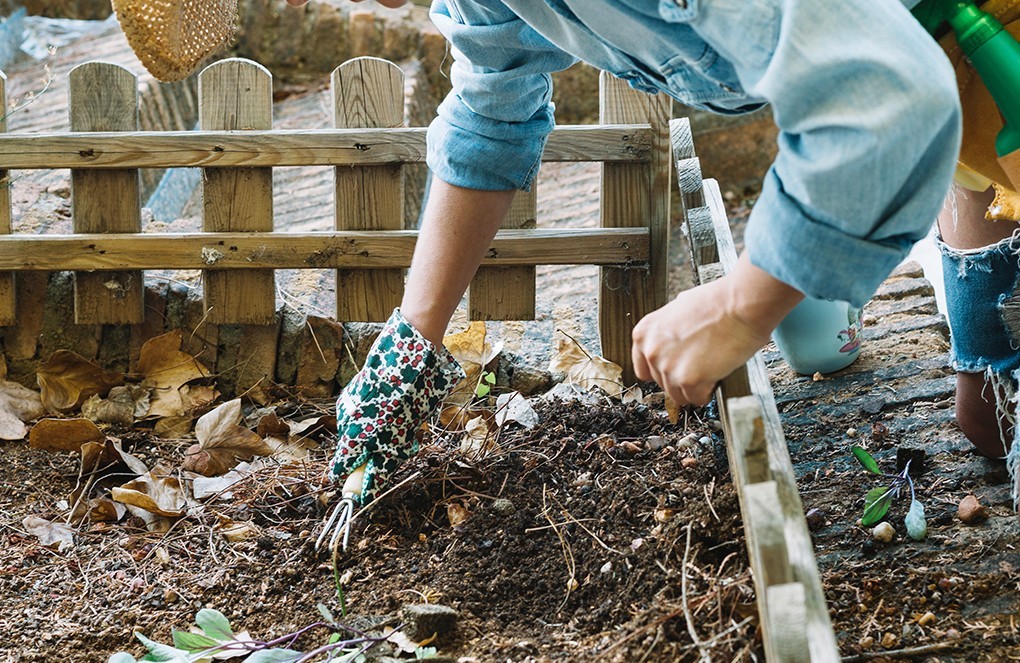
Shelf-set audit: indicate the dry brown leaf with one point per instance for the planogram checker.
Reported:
(64, 435)
(632, 394)
(158, 495)
(234, 531)
(56, 536)
(286, 451)
(672, 410)
(478, 438)
(122, 406)
(473, 352)
(18, 404)
(222, 443)
(515, 407)
(173, 428)
(585, 369)
(165, 370)
(103, 509)
(108, 454)
(67, 379)
(457, 513)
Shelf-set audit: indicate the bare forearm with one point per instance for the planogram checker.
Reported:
(457, 228)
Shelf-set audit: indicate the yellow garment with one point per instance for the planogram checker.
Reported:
(979, 164)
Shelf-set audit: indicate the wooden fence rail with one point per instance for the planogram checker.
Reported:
(791, 604)
(237, 148)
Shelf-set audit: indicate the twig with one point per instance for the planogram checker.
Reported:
(688, 617)
(568, 554)
(909, 652)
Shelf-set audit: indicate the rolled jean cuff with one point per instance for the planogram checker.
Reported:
(979, 285)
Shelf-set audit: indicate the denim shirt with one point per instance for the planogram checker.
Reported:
(865, 102)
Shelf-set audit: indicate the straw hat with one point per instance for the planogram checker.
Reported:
(172, 37)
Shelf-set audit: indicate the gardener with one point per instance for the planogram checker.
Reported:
(869, 121)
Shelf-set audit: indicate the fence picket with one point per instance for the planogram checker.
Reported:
(368, 93)
(8, 305)
(236, 95)
(104, 97)
(634, 195)
(507, 293)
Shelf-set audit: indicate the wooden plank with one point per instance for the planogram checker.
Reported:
(507, 293)
(766, 541)
(8, 303)
(626, 143)
(634, 195)
(800, 629)
(368, 93)
(104, 97)
(237, 95)
(787, 628)
(324, 250)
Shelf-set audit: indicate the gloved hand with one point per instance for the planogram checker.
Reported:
(404, 378)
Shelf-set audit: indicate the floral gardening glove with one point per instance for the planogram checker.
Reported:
(403, 380)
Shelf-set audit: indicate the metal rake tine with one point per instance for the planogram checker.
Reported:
(343, 525)
(328, 525)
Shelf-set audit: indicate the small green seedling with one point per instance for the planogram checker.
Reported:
(485, 384)
(878, 500)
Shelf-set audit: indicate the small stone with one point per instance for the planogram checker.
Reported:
(503, 507)
(689, 462)
(423, 620)
(889, 640)
(170, 596)
(606, 568)
(636, 544)
(952, 634)
(705, 441)
(631, 448)
(817, 377)
(883, 532)
(687, 441)
(866, 643)
(815, 518)
(663, 515)
(926, 618)
(655, 442)
(851, 432)
(971, 511)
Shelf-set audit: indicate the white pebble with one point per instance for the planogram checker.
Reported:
(883, 532)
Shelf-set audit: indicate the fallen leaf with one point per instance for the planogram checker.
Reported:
(400, 640)
(57, 536)
(632, 394)
(165, 369)
(672, 410)
(457, 513)
(103, 509)
(18, 404)
(64, 435)
(173, 428)
(222, 443)
(585, 369)
(477, 439)
(515, 407)
(473, 352)
(234, 531)
(158, 495)
(122, 406)
(287, 451)
(67, 379)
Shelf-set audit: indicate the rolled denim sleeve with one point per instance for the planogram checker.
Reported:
(491, 129)
(869, 119)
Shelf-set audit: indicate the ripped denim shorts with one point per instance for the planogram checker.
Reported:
(979, 286)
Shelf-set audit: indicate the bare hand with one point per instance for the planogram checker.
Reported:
(706, 333)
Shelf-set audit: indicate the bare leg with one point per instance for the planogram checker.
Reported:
(975, 396)
(457, 229)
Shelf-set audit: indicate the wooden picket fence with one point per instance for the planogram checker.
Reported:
(238, 249)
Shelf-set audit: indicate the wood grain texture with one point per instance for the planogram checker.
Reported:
(798, 629)
(104, 97)
(237, 95)
(368, 93)
(321, 250)
(323, 147)
(634, 195)
(507, 293)
(8, 300)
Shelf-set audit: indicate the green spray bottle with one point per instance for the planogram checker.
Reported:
(995, 55)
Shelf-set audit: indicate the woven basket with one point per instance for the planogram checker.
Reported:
(172, 37)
